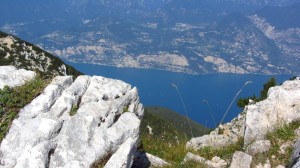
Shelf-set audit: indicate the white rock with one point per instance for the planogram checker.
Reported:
(45, 101)
(266, 165)
(224, 135)
(215, 162)
(259, 146)
(156, 161)
(45, 135)
(281, 107)
(241, 160)
(11, 76)
(192, 157)
(297, 132)
(124, 156)
(285, 146)
(150, 130)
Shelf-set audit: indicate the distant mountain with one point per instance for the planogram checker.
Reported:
(281, 17)
(282, 26)
(21, 54)
(263, 2)
(192, 36)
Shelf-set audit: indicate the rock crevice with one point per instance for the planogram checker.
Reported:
(70, 125)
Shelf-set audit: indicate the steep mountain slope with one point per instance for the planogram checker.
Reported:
(164, 134)
(281, 17)
(19, 53)
(163, 121)
(282, 27)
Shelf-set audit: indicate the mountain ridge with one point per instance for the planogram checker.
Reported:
(166, 35)
(19, 53)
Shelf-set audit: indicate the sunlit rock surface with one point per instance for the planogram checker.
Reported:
(11, 76)
(76, 124)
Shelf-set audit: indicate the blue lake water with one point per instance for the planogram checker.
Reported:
(155, 89)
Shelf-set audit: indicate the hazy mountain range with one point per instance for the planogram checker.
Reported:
(192, 36)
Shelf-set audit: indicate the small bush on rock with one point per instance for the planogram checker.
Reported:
(73, 110)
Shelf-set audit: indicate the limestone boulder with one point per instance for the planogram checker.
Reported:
(76, 124)
(281, 107)
(259, 146)
(11, 76)
(241, 160)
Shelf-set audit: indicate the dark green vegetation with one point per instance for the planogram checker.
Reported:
(163, 120)
(13, 99)
(242, 102)
(170, 134)
(73, 110)
(25, 55)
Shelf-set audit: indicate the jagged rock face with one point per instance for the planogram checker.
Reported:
(281, 107)
(11, 76)
(49, 132)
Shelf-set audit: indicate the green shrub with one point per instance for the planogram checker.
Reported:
(242, 102)
(270, 83)
(125, 108)
(13, 99)
(73, 110)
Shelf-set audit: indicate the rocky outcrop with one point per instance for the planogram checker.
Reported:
(83, 123)
(223, 135)
(11, 76)
(281, 107)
